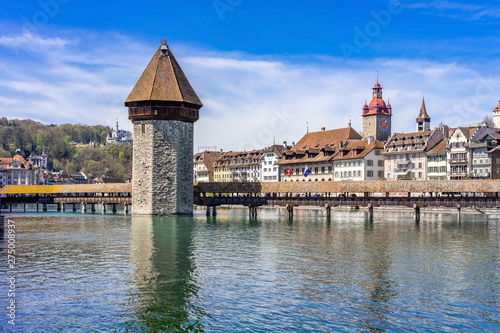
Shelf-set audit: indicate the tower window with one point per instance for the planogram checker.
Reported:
(143, 129)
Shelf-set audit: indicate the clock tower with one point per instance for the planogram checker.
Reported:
(377, 116)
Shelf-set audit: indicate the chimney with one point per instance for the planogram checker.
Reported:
(446, 132)
(222, 151)
(341, 144)
(322, 128)
(284, 143)
(370, 139)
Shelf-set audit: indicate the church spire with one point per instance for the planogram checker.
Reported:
(423, 120)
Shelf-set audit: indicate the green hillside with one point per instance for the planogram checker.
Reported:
(64, 146)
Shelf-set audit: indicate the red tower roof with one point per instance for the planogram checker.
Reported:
(498, 107)
(377, 104)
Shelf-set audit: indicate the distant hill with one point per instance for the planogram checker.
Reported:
(59, 142)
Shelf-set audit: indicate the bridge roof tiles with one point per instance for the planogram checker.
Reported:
(61, 189)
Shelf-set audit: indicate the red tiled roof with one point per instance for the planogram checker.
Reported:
(362, 148)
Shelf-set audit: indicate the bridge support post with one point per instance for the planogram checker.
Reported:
(84, 207)
(37, 208)
(24, 207)
(63, 207)
(290, 211)
(103, 210)
(459, 209)
(58, 207)
(208, 210)
(44, 207)
(114, 208)
(370, 212)
(92, 207)
(416, 211)
(214, 211)
(10, 208)
(74, 207)
(328, 211)
(125, 209)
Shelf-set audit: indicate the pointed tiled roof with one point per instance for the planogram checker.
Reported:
(163, 80)
(423, 112)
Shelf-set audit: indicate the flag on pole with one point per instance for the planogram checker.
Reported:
(288, 172)
(307, 171)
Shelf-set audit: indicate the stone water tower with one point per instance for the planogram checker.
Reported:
(163, 108)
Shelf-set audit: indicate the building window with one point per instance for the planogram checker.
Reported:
(377, 152)
(359, 173)
(380, 174)
(322, 169)
(420, 165)
(380, 163)
(369, 162)
(369, 173)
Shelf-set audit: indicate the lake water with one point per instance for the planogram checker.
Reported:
(111, 273)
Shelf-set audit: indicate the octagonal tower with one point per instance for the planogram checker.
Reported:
(163, 108)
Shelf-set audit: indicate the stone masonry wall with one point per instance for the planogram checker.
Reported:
(162, 168)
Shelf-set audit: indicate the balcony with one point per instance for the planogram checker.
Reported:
(458, 173)
(458, 161)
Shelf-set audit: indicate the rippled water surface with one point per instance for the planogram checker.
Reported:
(105, 273)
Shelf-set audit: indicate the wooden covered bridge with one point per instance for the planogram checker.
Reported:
(415, 194)
(62, 196)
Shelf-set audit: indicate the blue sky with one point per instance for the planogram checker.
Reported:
(262, 69)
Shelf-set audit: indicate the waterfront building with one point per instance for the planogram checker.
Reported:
(377, 116)
(360, 160)
(315, 151)
(163, 108)
(221, 168)
(458, 153)
(481, 150)
(203, 166)
(17, 171)
(405, 154)
(496, 116)
(270, 171)
(242, 166)
(436, 161)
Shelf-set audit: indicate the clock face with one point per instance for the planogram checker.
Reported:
(379, 94)
(384, 124)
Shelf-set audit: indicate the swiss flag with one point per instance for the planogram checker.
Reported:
(288, 172)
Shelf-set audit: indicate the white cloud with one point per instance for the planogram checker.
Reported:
(31, 42)
(458, 10)
(247, 100)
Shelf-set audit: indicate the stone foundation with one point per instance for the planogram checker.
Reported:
(162, 170)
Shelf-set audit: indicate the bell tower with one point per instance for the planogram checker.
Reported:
(423, 120)
(163, 108)
(377, 116)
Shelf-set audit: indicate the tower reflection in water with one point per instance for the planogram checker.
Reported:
(165, 285)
